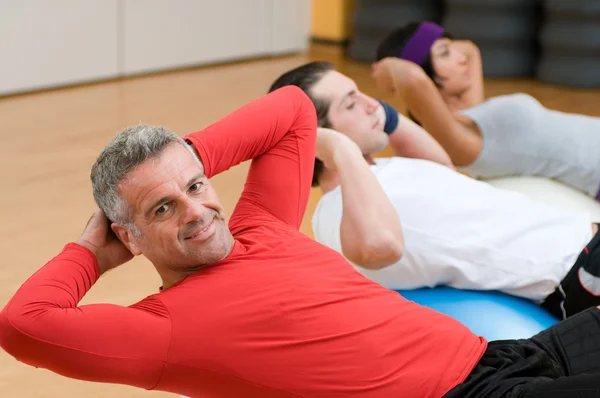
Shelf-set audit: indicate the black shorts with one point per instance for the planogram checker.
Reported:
(562, 361)
(580, 288)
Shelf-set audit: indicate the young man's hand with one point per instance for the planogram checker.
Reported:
(330, 143)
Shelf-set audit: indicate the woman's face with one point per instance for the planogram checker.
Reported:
(451, 67)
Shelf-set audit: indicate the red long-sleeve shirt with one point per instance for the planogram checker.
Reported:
(281, 316)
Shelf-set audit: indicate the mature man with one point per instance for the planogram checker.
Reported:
(255, 309)
(248, 308)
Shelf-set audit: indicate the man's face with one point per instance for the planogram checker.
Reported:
(177, 212)
(353, 113)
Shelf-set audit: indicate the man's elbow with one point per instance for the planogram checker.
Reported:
(299, 95)
(378, 253)
(19, 330)
(7, 333)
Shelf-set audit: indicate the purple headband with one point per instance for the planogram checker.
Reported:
(418, 46)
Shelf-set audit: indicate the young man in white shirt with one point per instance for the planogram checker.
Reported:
(456, 231)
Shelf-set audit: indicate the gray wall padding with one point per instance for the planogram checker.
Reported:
(570, 43)
(374, 19)
(504, 30)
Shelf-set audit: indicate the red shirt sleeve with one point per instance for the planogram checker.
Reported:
(42, 326)
(277, 131)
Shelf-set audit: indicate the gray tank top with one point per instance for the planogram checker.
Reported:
(521, 137)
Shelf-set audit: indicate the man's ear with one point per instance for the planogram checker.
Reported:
(127, 238)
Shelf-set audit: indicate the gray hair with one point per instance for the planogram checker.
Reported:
(129, 149)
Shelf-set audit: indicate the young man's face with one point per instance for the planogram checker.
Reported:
(353, 113)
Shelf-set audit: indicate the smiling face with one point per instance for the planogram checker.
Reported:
(180, 221)
(451, 67)
(352, 113)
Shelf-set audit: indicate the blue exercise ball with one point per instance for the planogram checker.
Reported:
(491, 314)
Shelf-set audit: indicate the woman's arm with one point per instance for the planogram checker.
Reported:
(423, 99)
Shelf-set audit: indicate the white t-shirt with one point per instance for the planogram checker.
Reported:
(466, 233)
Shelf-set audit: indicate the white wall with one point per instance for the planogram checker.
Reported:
(161, 34)
(50, 43)
(290, 25)
(45, 43)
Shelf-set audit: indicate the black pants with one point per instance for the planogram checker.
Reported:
(562, 361)
(580, 289)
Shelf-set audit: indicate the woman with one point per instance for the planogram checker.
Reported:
(441, 81)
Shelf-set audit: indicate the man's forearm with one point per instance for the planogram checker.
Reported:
(410, 140)
(44, 326)
(253, 129)
(370, 229)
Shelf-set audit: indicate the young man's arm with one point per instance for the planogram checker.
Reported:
(370, 230)
(277, 131)
(409, 140)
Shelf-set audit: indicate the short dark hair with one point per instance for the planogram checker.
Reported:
(305, 77)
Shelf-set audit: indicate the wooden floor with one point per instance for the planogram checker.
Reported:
(49, 141)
